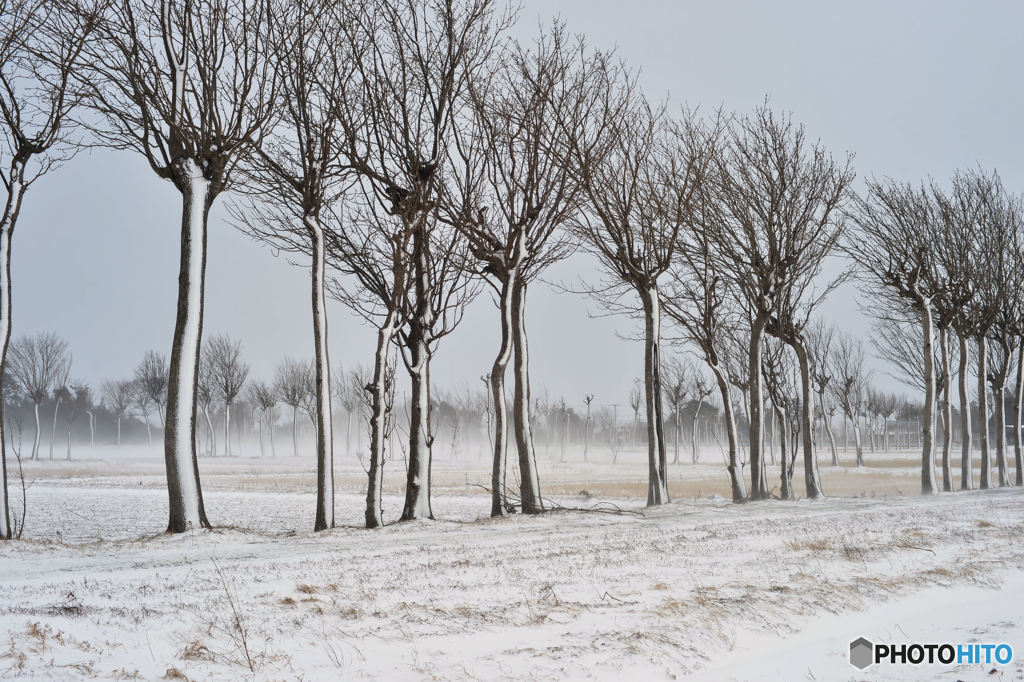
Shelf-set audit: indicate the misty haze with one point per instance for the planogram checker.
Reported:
(457, 339)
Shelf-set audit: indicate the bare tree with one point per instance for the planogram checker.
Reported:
(151, 375)
(588, 399)
(300, 171)
(205, 393)
(79, 399)
(227, 376)
(143, 403)
(820, 338)
(776, 220)
(61, 394)
(895, 246)
(676, 384)
(514, 193)
(189, 85)
(117, 398)
(849, 384)
(36, 363)
(701, 389)
(397, 121)
(40, 48)
(264, 397)
(291, 383)
(641, 173)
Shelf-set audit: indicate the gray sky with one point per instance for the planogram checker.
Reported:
(913, 88)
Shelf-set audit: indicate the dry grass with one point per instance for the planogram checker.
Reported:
(808, 544)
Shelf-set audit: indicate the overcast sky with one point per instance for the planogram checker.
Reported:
(912, 88)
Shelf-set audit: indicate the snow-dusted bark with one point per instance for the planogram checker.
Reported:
(947, 412)
(812, 480)
(785, 475)
(322, 370)
(986, 463)
(184, 492)
(11, 209)
(966, 466)
(227, 429)
(417, 487)
(35, 442)
(529, 486)
(657, 476)
(758, 479)
(693, 431)
(1018, 404)
(53, 429)
(498, 396)
(928, 484)
(739, 492)
(378, 415)
(828, 428)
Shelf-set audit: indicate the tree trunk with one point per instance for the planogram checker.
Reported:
(118, 430)
(928, 484)
(999, 405)
(1018, 403)
(185, 495)
(966, 465)
(812, 480)
(324, 411)
(92, 429)
(693, 431)
(69, 442)
(529, 486)
(739, 492)
(858, 445)
(12, 207)
(417, 486)
(498, 396)
(758, 479)
(986, 464)
(263, 450)
(947, 412)
(295, 430)
(149, 431)
(678, 433)
(378, 416)
(787, 485)
(227, 429)
(828, 429)
(657, 489)
(53, 429)
(210, 430)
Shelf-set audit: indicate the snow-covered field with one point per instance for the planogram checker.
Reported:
(770, 590)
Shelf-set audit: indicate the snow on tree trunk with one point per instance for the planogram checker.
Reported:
(657, 489)
(149, 431)
(986, 463)
(928, 484)
(786, 483)
(227, 429)
(183, 487)
(210, 430)
(947, 412)
(417, 487)
(999, 405)
(295, 430)
(827, 420)
(498, 396)
(739, 492)
(53, 430)
(693, 431)
(322, 369)
(812, 480)
(758, 479)
(529, 485)
(966, 466)
(11, 209)
(1018, 404)
(378, 416)
(69, 442)
(35, 442)
(858, 444)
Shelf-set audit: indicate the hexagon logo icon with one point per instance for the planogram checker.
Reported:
(861, 653)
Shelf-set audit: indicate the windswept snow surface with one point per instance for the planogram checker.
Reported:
(769, 590)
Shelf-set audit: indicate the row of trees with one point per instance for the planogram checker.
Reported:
(416, 155)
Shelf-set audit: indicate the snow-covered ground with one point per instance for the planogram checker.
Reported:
(770, 590)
